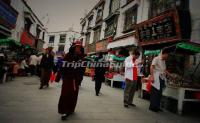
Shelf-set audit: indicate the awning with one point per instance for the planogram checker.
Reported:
(116, 58)
(152, 52)
(190, 47)
(122, 43)
(9, 41)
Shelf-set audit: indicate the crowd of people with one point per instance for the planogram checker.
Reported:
(44, 66)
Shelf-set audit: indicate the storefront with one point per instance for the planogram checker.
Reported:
(172, 30)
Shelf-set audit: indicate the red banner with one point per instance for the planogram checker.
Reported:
(27, 39)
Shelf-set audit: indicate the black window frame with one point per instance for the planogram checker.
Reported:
(129, 17)
(51, 39)
(64, 35)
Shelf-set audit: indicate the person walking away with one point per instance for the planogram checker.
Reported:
(23, 67)
(99, 74)
(33, 63)
(47, 65)
(140, 68)
(2, 63)
(71, 78)
(15, 69)
(158, 78)
(130, 78)
(38, 65)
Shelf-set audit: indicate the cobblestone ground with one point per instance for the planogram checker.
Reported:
(22, 102)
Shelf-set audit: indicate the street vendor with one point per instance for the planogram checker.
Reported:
(158, 77)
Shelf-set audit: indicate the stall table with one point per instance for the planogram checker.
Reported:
(115, 78)
(177, 93)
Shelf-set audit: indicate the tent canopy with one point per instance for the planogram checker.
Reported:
(189, 47)
(152, 52)
(9, 41)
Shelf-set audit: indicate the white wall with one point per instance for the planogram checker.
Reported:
(69, 34)
(195, 14)
(19, 6)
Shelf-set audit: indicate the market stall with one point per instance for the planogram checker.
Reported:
(181, 85)
(115, 73)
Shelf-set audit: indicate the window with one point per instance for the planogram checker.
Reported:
(99, 14)
(159, 6)
(51, 39)
(88, 38)
(27, 25)
(62, 38)
(90, 21)
(97, 34)
(111, 27)
(61, 48)
(130, 19)
(114, 5)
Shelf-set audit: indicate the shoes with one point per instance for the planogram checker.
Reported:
(153, 110)
(41, 87)
(125, 105)
(160, 110)
(64, 117)
(97, 94)
(133, 105)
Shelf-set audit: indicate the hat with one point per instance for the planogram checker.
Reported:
(77, 43)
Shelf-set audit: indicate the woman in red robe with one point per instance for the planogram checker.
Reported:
(72, 77)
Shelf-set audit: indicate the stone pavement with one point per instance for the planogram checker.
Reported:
(22, 102)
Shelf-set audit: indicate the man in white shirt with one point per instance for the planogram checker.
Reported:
(158, 73)
(131, 78)
(33, 63)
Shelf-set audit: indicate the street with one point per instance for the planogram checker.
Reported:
(22, 102)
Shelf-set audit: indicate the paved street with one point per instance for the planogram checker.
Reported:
(22, 102)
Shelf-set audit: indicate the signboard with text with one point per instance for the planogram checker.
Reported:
(163, 28)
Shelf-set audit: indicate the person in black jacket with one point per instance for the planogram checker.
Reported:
(47, 65)
(99, 74)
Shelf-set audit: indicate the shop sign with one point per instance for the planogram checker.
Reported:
(8, 16)
(27, 39)
(163, 28)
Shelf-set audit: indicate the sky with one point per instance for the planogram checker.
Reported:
(60, 15)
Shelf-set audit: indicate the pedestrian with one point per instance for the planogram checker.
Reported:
(140, 69)
(99, 74)
(130, 78)
(158, 78)
(33, 63)
(15, 68)
(38, 65)
(47, 65)
(71, 77)
(2, 70)
(23, 67)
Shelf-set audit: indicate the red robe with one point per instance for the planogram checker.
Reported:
(71, 79)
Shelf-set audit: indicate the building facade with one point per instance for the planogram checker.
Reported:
(8, 18)
(61, 41)
(29, 30)
(111, 24)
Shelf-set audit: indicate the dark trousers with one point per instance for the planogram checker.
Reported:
(98, 84)
(32, 69)
(156, 96)
(129, 91)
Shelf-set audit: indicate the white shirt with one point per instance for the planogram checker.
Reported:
(160, 67)
(23, 64)
(39, 59)
(129, 68)
(33, 60)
